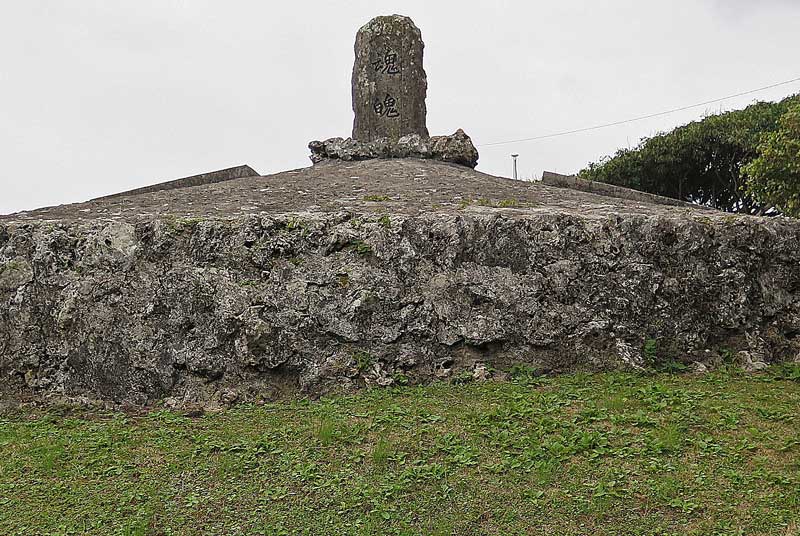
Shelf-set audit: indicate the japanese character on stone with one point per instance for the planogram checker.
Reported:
(387, 107)
(387, 64)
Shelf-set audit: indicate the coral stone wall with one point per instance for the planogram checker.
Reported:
(250, 308)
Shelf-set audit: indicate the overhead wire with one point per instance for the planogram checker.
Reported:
(640, 118)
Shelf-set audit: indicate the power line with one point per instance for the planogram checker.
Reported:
(605, 125)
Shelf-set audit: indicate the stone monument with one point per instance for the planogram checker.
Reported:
(389, 82)
(389, 86)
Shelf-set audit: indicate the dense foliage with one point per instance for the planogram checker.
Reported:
(775, 175)
(701, 162)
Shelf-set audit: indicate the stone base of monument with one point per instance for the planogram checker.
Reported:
(456, 148)
(374, 273)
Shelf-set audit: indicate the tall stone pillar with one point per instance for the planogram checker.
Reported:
(389, 82)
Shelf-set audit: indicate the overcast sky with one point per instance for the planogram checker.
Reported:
(97, 97)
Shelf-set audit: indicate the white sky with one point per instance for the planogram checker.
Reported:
(97, 97)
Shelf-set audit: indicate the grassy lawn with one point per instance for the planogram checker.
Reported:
(589, 454)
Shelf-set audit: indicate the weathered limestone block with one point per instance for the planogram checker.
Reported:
(389, 83)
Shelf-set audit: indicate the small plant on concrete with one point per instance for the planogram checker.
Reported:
(361, 247)
(385, 222)
(376, 198)
(295, 223)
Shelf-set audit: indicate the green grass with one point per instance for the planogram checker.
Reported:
(577, 454)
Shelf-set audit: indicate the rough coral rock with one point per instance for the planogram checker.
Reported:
(356, 273)
(456, 148)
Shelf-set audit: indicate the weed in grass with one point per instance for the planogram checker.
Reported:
(382, 452)
(775, 414)
(684, 505)
(616, 402)
(533, 496)
(326, 432)
(786, 371)
(49, 457)
(605, 492)
(672, 366)
(522, 372)
(666, 440)
(398, 378)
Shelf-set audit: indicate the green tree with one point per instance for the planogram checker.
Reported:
(700, 162)
(775, 175)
